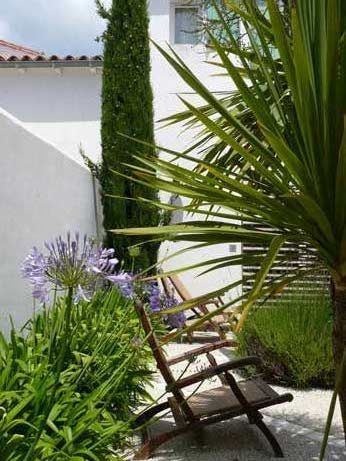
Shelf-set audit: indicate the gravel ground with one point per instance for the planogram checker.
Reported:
(298, 426)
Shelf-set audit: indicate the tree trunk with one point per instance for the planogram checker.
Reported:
(339, 339)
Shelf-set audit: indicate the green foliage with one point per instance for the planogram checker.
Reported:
(276, 174)
(293, 337)
(127, 108)
(85, 416)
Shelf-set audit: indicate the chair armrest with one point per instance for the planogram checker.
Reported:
(218, 370)
(216, 302)
(201, 350)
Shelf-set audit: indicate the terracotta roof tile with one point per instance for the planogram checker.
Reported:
(10, 52)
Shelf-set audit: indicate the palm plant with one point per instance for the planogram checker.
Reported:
(278, 175)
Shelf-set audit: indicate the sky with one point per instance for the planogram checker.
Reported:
(59, 27)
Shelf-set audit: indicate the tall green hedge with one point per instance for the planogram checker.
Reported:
(127, 107)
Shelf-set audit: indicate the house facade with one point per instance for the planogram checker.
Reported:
(58, 98)
(52, 104)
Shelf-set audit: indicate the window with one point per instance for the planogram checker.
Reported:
(233, 248)
(186, 25)
(216, 25)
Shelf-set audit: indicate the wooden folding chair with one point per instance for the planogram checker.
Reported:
(225, 402)
(218, 323)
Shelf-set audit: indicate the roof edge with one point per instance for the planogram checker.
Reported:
(50, 64)
(23, 48)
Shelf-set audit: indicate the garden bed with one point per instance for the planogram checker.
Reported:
(294, 340)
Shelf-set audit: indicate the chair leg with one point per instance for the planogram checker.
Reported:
(148, 448)
(270, 437)
(145, 435)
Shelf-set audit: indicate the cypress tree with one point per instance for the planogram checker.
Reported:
(127, 108)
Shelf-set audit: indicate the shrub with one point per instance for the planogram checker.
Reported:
(293, 337)
(83, 412)
(127, 108)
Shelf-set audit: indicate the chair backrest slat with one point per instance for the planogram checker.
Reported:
(180, 288)
(173, 281)
(167, 288)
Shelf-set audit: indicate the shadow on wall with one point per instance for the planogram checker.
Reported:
(47, 95)
(158, 7)
(43, 194)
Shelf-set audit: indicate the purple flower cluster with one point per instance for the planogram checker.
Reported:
(83, 266)
(101, 260)
(34, 269)
(159, 302)
(125, 283)
(149, 292)
(72, 263)
(174, 320)
(154, 297)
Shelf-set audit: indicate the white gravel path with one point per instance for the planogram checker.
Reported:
(298, 426)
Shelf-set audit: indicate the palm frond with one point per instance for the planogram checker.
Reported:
(269, 163)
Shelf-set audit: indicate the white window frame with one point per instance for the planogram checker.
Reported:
(182, 4)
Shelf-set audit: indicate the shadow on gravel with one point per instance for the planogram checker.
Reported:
(238, 441)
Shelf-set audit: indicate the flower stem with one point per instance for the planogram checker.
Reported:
(66, 338)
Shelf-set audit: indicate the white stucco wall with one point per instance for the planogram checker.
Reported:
(60, 105)
(166, 85)
(43, 194)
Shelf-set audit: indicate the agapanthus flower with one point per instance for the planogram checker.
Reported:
(127, 289)
(34, 270)
(102, 261)
(82, 295)
(122, 277)
(124, 282)
(73, 263)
